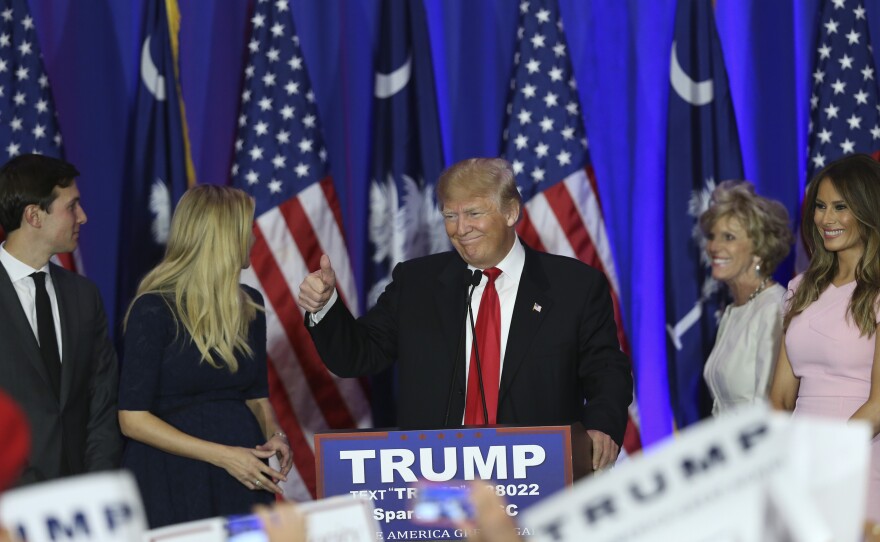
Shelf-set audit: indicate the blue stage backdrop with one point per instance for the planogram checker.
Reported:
(620, 53)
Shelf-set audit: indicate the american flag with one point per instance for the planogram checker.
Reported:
(844, 111)
(280, 159)
(546, 143)
(27, 113)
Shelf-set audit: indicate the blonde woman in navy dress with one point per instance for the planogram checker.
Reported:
(193, 396)
(830, 364)
(747, 236)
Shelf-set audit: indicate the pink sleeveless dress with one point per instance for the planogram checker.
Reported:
(834, 366)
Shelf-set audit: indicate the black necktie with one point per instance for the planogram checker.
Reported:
(46, 332)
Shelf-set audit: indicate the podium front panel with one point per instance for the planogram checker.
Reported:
(522, 464)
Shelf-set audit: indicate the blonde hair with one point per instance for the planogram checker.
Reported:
(765, 221)
(857, 179)
(480, 177)
(199, 276)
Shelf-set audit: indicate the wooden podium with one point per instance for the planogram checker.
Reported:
(522, 464)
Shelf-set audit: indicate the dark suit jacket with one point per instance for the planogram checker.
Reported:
(83, 421)
(556, 357)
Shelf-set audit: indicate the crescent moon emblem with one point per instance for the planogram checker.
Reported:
(389, 84)
(153, 80)
(690, 91)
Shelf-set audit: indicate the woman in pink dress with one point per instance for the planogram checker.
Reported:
(828, 365)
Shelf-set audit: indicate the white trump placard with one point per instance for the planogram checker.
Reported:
(750, 475)
(88, 508)
(340, 518)
(336, 519)
(206, 530)
(707, 467)
(828, 462)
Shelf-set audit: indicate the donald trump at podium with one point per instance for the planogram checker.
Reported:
(545, 349)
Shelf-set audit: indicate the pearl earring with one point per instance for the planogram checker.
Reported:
(758, 269)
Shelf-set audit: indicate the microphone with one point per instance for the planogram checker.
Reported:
(478, 276)
(472, 280)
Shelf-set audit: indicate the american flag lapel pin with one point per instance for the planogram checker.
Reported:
(536, 307)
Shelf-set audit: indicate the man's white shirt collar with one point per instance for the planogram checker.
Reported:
(15, 268)
(512, 264)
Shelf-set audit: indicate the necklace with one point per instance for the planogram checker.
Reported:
(758, 289)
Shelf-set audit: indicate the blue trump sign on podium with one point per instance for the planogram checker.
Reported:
(522, 464)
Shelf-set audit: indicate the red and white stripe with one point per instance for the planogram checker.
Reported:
(307, 398)
(567, 219)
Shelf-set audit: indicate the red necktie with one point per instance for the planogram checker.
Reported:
(488, 333)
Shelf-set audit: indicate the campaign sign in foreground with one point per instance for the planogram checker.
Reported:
(753, 475)
(88, 508)
(523, 464)
(340, 519)
(203, 530)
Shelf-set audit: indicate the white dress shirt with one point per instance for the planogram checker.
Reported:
(20, 275)
(507, 285)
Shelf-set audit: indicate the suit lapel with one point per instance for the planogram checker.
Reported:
(533, 303)
(451, 314)
(20, 327)
(67, 304)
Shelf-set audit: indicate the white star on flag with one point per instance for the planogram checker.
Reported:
(844, 117)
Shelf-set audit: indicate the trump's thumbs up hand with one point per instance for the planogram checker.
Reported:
(318, 286)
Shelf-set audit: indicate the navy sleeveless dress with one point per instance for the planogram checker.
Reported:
(161, 372)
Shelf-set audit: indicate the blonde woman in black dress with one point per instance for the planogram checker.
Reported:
(193, 395)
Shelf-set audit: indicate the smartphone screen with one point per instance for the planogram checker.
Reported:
(246, 528)
(442, 503)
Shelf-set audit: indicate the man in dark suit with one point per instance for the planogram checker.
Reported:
(546, 336)
(56, 360)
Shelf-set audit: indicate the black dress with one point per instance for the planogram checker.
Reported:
(161, 373)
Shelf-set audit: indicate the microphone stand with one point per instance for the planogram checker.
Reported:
(477, 354)
(477, 357)
(472, 280)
